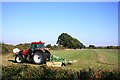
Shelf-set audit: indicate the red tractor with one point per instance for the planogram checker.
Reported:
(36, 54)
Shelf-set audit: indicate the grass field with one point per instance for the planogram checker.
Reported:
(94, 58)
(84, 58)
(88, 64)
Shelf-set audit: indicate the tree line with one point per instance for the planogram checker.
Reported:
(65, 41)
(7, 48)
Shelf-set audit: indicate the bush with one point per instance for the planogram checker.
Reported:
(24, 72)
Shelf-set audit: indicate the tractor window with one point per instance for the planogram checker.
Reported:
(39, 45)
(33, 46)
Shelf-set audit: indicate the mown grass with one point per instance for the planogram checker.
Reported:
(85, 58)
(88, 58)
(110, 56)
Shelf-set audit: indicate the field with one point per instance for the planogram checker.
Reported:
(83, 59)
(94, 58)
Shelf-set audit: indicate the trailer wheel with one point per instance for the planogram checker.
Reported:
(19, 59)
(39, 57)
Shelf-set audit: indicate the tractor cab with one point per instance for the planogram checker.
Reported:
(37, 46)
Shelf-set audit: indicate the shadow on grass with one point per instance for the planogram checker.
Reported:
(26, 62)
(12, 61)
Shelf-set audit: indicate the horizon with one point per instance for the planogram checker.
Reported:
(57, 44)
(94, 23)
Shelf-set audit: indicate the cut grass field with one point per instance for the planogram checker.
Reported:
(83, 58)
(90, 58)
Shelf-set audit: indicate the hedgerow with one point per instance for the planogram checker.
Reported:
(26, 72)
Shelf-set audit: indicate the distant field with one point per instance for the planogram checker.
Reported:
(84, 58)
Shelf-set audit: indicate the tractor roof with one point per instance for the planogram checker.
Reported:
(38, 42)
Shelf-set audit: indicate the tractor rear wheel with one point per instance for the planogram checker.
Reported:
(19, 59)
(39, 57)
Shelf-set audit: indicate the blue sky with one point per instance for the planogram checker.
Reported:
(90, 22)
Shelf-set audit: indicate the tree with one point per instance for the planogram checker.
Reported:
(110, 47)
(23, 46)
(92, 46)
(49, 46)
(76, 43)
(64, 39)
(69, 42)
(4, 50)
(7, 48)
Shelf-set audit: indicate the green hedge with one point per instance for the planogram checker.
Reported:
(25, 72)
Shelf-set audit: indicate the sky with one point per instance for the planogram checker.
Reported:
(59, 0)
(90, 22)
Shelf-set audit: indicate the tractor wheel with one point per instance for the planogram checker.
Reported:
(39, 57)
(19, 59)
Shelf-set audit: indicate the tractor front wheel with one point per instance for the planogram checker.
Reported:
(19, 59)
(39, 57)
